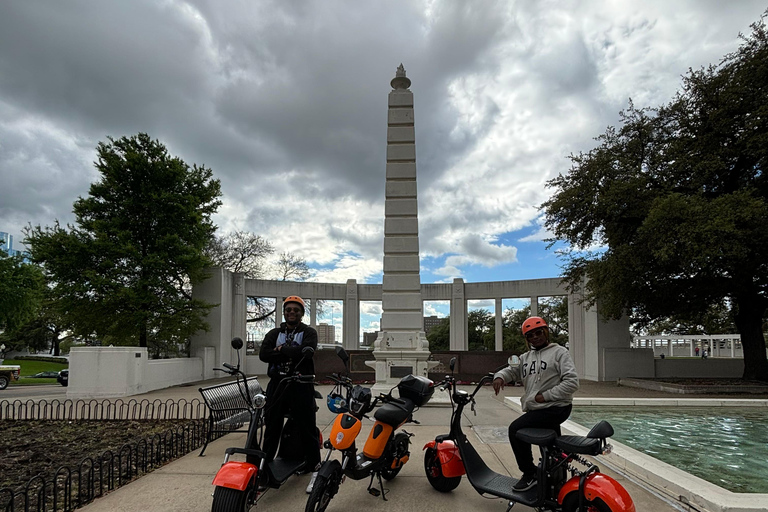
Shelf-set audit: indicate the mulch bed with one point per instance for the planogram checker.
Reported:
(31, 447)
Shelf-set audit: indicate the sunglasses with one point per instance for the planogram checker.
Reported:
(535, 332)
(292, 310)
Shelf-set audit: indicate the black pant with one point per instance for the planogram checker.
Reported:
(550, 417)
(299, 400)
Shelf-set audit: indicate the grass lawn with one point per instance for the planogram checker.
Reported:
(33, 367)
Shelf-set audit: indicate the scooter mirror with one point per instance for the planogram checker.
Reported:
(342, 354)
(513, 360)
(453, 363)
(237, 343)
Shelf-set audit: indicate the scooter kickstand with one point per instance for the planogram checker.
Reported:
(511, 504)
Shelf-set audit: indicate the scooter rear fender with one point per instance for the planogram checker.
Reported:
(450, 458)
(235, 475)
(603, 487)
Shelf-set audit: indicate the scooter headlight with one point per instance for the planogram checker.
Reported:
(259, 400)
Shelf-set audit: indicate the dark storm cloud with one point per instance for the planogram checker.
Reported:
(286, 101)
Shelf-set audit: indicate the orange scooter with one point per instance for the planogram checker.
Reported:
(385, 451)
(450, 456)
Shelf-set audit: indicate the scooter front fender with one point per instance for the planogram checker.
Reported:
(603, 487)
(449, 457)
(235, 475)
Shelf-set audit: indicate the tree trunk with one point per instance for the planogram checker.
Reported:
(749, 322)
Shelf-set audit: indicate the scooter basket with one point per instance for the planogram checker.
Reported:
(416, 388)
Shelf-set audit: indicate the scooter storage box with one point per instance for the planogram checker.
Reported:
(416, 388)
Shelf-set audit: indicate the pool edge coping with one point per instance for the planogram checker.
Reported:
(680, 487)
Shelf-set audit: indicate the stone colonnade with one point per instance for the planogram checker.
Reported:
(601, 350)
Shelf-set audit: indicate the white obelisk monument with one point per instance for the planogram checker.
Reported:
(401, 347)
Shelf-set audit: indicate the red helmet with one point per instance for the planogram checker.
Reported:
(298, 300)
(532, 323)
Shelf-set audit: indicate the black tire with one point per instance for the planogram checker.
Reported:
(3, 381)
(571, 504)
(399, 449)
(435, 473)
(229, 500)
(323, 492)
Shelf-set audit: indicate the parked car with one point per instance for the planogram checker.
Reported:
(8, 374)
(45, 375)
(63, 377)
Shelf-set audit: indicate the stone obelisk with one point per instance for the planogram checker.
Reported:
(401, 347)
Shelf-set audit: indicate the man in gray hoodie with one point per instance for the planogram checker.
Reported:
(549, 379)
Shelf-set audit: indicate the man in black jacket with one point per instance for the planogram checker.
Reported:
(282, 351)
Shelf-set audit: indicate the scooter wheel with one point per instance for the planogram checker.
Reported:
(227, 500)
(399, 449)
(571, 504)
(435, 473)
(324, 490)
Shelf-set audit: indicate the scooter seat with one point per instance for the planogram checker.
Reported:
(394, 413)
(537, 436)
(578, 444)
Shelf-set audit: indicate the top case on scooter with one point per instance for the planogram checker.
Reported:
(344, 431)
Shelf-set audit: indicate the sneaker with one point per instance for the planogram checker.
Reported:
(526, 482)
(311, 482)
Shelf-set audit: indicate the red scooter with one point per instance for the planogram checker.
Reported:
(451, 455)
(239, 485)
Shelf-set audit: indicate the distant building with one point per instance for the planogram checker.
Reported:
(326, 333)
(431, 322)
(6, 245)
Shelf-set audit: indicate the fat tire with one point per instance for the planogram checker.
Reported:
(400, 445)
(324, 490)
(571, 504)
(4, 381)
(229, 500)
(434, 472)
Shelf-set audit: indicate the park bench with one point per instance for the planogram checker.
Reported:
(228, 411)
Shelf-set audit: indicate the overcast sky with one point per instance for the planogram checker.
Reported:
(287, 102)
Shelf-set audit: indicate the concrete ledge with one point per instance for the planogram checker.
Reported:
(683, 389)
(684, 489)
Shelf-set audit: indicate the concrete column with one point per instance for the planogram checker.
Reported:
(217, 289)
(351, 339)
(499, 338)
(535, 306)
(459, 324)
(239, 311)
(312, 311)
(278, 311)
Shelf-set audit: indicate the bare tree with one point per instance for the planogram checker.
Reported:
(241, 251)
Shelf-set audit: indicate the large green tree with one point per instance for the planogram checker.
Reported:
(21, 292)
(677, 196)
(124, 272)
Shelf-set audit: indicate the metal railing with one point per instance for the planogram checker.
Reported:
(72, 486)
(103, 409)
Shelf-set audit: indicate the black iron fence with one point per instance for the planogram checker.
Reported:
(105, 409)
(73, 486)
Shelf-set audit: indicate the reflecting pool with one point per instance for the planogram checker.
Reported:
(725, 446)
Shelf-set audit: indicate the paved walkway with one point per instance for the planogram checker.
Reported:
(185, 484)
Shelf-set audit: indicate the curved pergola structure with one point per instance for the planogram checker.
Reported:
(601, 349)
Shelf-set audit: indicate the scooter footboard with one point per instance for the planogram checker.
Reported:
(235, 475)
(600, 486)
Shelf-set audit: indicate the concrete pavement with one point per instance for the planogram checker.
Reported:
(185, 484)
